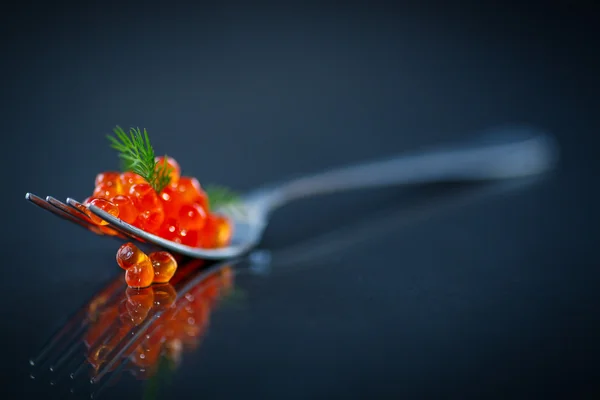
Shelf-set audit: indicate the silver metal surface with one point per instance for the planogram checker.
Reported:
(506, 153)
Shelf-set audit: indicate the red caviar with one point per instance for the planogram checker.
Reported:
(127, 210)
(129, 255)
(140, 275)
(104, 205)
(180, 212)
(164, 265)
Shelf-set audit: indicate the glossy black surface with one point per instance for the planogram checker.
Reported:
(443, 291)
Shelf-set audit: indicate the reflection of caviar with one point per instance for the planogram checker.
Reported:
(180, 212)
(181, 325)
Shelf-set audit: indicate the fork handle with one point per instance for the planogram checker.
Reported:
(503, 153)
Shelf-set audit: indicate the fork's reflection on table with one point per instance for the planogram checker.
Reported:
(123, 330)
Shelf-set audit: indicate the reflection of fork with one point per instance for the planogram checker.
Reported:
(121, 327)
(514, 152)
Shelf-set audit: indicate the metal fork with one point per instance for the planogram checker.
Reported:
(502, 153)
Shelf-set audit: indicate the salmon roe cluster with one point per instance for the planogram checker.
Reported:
(180, 212)
(141, 269)
(181, 326)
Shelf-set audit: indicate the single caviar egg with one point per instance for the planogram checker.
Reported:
(224, 231)
(129, 255)
(83, 206)
(171, 201)
(109, 179)
(164, 265)
(192, 217)
(104, 205)
(127, 210)
(208, 235)
(150, 220)
(189, 188)
(175, 170)
(140, 275)
(128, 179)
(106, 191)
(144, 197)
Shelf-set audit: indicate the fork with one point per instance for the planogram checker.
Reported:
(502, 153)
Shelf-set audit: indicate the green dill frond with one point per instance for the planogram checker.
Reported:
(162, 175)
(219, 196)
(137, 155)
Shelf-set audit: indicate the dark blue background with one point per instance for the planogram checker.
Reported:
(497, 297)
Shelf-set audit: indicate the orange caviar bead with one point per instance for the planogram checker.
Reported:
(208, 237)
(109, 178)
(224, 231)
(129, 255)
(169, 229)
(172, 164)
(140, 275)
(150, 220)
(164, 265)
(104, 205)
(144, 197)
(128, 179)
(171, 201)
(192, 217)
(164, 295)
(82, 206)
(189, 188)
(138, 304)
(127, 210)
(106, 191)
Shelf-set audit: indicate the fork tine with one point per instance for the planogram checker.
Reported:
(77, 206)
(38, 201)
(69, 210)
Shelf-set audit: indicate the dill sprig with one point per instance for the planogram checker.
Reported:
(219, 196)
(137, 155)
